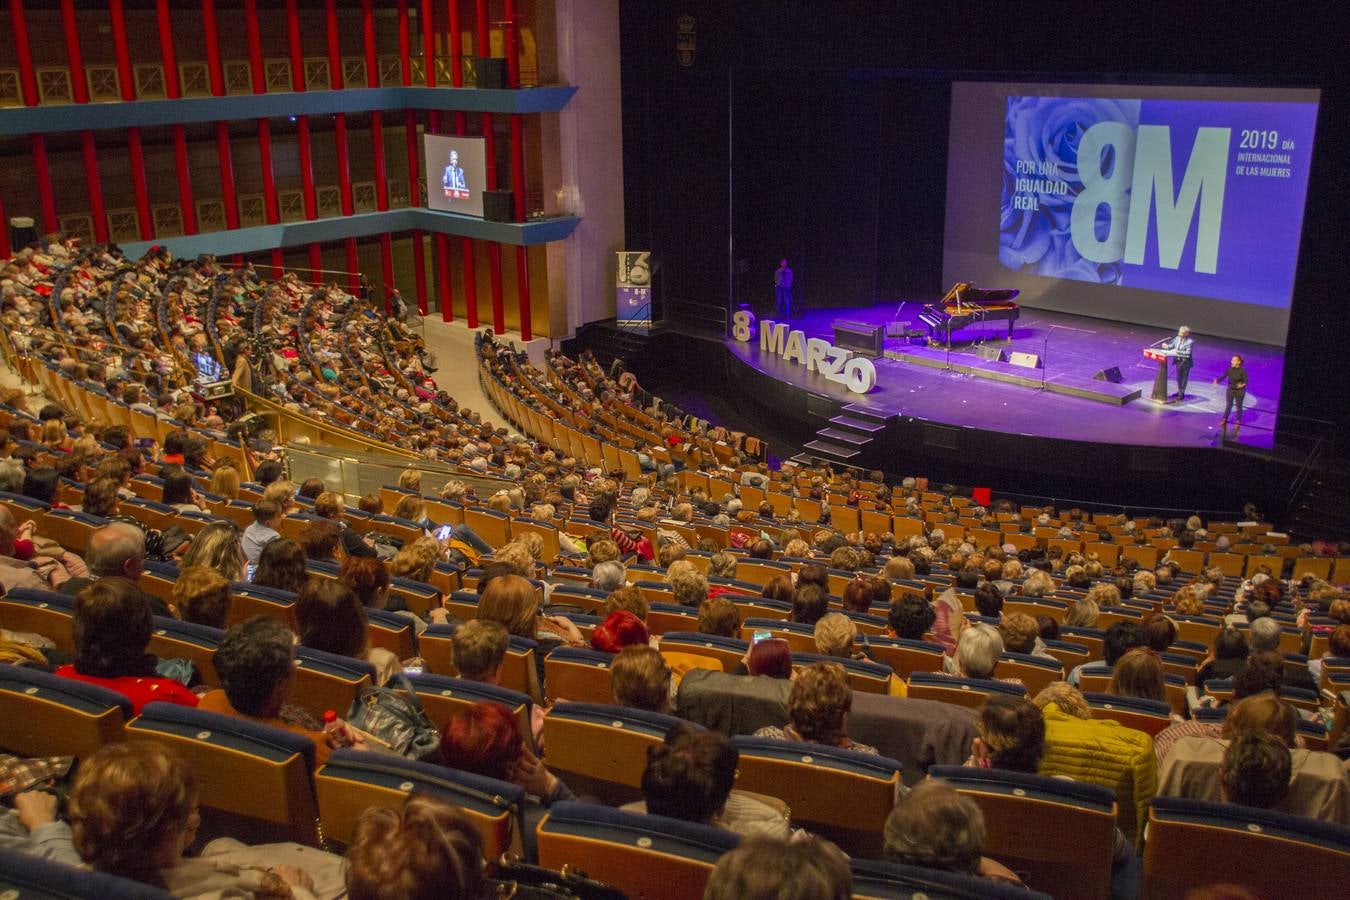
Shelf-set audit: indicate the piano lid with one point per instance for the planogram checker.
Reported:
(971, 294)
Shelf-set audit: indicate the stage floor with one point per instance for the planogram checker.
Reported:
(1068, 345)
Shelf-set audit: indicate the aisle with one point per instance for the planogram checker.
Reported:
(457, 368)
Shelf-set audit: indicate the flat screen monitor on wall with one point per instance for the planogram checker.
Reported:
(1158, 205)
(456, 173)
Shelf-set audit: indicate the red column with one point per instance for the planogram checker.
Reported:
(335, 82)
(224, 153)
(303, 145)
(457, 80)
(173, 91)
(80, 92)
(28, 85)
(429, 42)
(255, 64)
(484, 48)
(410, 131)
(145, 225)
(377, 134)
(518, 172)
(27, 75)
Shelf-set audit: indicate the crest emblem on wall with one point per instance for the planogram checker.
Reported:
(684, 40)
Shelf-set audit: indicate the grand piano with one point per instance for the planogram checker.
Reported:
(965, 305)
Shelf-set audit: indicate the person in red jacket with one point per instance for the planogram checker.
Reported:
(112, 631)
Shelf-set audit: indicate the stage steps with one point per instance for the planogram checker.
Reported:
(831, 451)
(846, 436)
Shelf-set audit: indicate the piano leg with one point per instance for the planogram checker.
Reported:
(1010, 329)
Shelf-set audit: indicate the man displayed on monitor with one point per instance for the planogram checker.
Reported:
(452, 179)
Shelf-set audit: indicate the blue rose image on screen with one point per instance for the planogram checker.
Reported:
(1041, 181)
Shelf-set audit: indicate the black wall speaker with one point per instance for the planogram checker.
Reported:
(1112, 375)
(994, 353)
(498, 206)
(489, 72)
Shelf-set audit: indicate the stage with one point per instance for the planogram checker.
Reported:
(1060, 401)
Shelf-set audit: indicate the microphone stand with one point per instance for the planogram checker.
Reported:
(1044, 345)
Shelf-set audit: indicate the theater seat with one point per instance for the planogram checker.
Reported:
(1192, 843)
(47, 613)
(647, 857)
(325, 681)
(1030, 819)
(1036, 672)
(248, 600)
(257, 781)
(172, 639)
(45, 715)
(353, 780)
(863, 675)
(580, 674)
(844, 795)
(391, 631)
(1148, 716)
(727, 651)
(875, 880)
(971, 692)
(905, 656)
(602, 750)
(443, 698)
(27, 877)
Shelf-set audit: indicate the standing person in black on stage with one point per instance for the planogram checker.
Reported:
(1236, 377)
(1179, 348)
(782, 287)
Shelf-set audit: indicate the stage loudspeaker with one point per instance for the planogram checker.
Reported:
(1029, 360)
(498, 206)
(489, 72)
(1112, 375)
(993, 353)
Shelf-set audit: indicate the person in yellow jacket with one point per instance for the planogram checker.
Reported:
(1099, 751)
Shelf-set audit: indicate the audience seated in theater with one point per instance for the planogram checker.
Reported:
(910, 617)
(978, 650)
(628, 598)
(485, 740)
(217, 545)
(133, 813)
(609, 576)
(42, 573)
(1226, 658)
(328, 617)
(809, 603)
(329, 505)
(1320, 788)
(1139, 673)
(281, 566)
(116, 554)
(510, 600)
(935, 827)
(641, 679)
(256, 665)
(426, 850)
(112, 630)
(1256, 770)
(718, 615)
(1011, 735)
(320, 540)
(818, 706)
(690, 776)
(765, 868)
(202, 596)
(620, 629)
(1098, 751)
(267, 516)
(1117, 640)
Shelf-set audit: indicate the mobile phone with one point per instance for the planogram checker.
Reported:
(251, 568)
(412, 670)
(443, 532)
(761, 636)
(145, 443)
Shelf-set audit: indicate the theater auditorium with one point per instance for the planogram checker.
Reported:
(673, 449)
